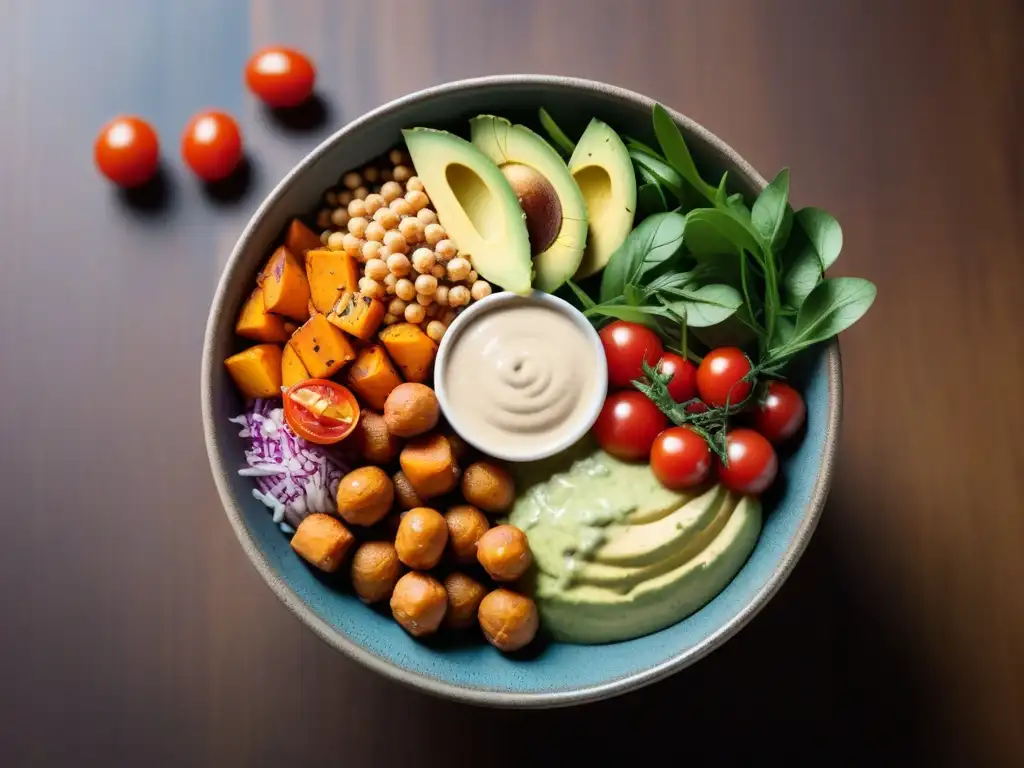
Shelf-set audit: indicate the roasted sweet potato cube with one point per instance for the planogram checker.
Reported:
(323, 541)
(321, 347)
(411, 349)
(373, 376)
(254, 322)
(257, 370)
(299, 239)
(430, 466)
(357, 315)
(328, 275)
(292, 369)
(285, 287)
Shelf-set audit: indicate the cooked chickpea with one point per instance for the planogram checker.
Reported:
(371, 173)
(434, 234)
(415, 313)
(481, 290)
(365, 495)
(357, 208)
(402, 173)
(466, 524)
(375, 231)
(377, 269)
(489, 487)
(426, 284)
(371, 249)
(387, 218)
(417, 200)
(401, 207)
(390, 190)
(438, 271)
(458, 269)
(396, 157)
(375, 571)
(425, 299)
(331, 198)
(426, 217)
(458, 296)
(340, 217)
(397, 306)
(351, 180)
(370, 287)
(422, 259)
(325, 236)
(446, 250)
(472, 277)
(357, 226)
(404, 289)
(411, 229)
(436, 329)
(414, 183)
(398, 264)
(422, 537)
(418, 603)
(432, 309)
(376, 442)
(373, 203)
(405, 493)
(504, 552)
(323, 219)
(345, 197)
(411, 409)
(389, 319)
(394, 240)
(336, 241)
(360, 193)
(353, 245)
(441, 295)
(509, 620)
(464, 596)
(390, 281)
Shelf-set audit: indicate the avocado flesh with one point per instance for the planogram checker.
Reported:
(475, 205)
(602, 170)
(506, 144)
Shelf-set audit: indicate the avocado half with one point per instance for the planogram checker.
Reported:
(602, 170)
(475, 204)
(556, 214)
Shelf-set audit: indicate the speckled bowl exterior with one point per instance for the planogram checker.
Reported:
(551, 674)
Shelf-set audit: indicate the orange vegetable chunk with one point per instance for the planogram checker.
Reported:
(373, 376)
(321, 347)
(254, 322)
(328, 273)
(285, 287)
(292, 369)
(357, 315)
(430, 466)
(411, 349)
(257, 370)
(299, 239)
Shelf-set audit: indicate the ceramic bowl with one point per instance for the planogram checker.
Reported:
(551, 674)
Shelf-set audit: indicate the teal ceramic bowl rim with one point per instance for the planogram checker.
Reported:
(336, 639)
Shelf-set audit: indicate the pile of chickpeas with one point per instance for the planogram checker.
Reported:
(381, 216)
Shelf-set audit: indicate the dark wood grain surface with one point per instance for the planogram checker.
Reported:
(134, 632)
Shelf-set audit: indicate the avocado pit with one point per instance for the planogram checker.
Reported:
(540, 204)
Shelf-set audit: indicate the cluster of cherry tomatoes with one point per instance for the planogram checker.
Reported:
(633, 428)
(127, 150)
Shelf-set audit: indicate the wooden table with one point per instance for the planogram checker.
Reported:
(135, 632)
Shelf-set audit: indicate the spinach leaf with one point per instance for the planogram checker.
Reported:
(729, 229)
(771, 215)
(585, 301)
(561, 141)
(653, 169)
(650, 200)
(802, 269)
(676, 152)
(785, 329)
(656, 240)
(824, 233)
(833, 306)
(639, 146)
(722, 194)
(703, 238)
(644, 314)
(707, 305)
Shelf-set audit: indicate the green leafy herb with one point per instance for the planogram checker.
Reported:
(676, 152)
(656, 240)
(658, 171)
(584, 299)
(707, 305)
(558, 137)
(650, 199)
(824, 232)
(771, 215)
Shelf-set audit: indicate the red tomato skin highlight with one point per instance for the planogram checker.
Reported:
(628, 425)
(626, 346)
(680, 458)
(683, 386)
(280, 77)
(211, 145)
(127, 151)
(753, 464)
(780, 412)
(719, 377)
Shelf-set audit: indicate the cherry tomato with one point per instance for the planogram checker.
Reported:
(626, 346)
(683, 386)
(779, 412)
(680, 458)
(697, 407)
(212, 145)
(628, 424)
(280, 77)
(127, 151)
(752, 462)
(320, 411)
(719, 377)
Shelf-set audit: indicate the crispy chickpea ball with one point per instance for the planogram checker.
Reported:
(466, 524)
(417, 200)
(464, 596)
(401, 207)
(411, 409)
(504, 552)
(376, 443)
(405, 289)
(441, 295)
(365, 495)
(352, 180)
(414, 183)
(357, 225)
(405, 494)
(426, 284)
(357, 209)
(402, 173)
(353, 245)
(422, 537)
(509, 620)
(375, 571)
(423, 260)
(411, 229)
(390, 281)
(397, 306)
(419, 603)
(395, 242)
(489, 487)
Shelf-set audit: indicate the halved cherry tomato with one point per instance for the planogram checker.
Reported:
(779, 412)
(626, 346)
(680, 458)
(720, 377)
(320, 411)
(683, 386)
(127, 151)
(280, 77)
(212, 145)
(628, 424)
(752, 462)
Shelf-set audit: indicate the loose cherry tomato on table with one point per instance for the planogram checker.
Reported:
(280, 77)
(720, 377)
(680, 458)
(127, 151)
(779, 412)
(212, 145)
(752, 462)
(683, 386)
(626, 346)
(628, 424)
(320, 411)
